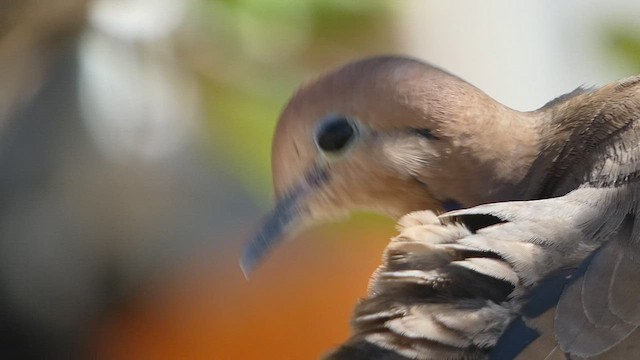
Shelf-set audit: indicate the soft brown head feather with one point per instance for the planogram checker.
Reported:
(390, 169)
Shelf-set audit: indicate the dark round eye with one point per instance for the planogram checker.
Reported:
(335, 134)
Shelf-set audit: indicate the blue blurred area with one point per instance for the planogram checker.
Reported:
(81, 232)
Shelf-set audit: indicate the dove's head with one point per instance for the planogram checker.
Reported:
(390, 135)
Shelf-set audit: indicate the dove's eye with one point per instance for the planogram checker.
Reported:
(335, 134)
(425, 133)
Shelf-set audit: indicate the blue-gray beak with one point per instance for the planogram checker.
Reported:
(286, 217)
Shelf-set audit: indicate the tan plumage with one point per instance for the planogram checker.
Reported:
(560, 188)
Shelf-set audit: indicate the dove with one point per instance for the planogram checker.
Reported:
(536, 252)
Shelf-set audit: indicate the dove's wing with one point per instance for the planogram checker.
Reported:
(530, 277)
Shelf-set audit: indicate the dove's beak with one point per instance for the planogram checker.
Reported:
(291, 213)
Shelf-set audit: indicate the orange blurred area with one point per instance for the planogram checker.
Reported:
(295, 306)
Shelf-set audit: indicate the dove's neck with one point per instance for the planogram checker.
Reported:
(492, 150)
(574, 129)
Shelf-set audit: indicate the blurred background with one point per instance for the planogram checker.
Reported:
(134, 158)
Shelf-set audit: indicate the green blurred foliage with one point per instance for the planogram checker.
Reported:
(251, 55)
(623, 44)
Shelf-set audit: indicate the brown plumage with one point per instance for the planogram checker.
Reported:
(395, 135)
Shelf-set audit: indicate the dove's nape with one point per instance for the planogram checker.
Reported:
(395, 135)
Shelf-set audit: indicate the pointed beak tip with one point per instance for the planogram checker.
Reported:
(287, 216)
(246, 268)
(261, 244)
